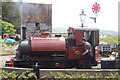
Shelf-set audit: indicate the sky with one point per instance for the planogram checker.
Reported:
(65, 13)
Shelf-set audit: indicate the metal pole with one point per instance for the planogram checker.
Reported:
(82, 25)
(95, 17)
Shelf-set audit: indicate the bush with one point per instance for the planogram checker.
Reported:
(4, 75)
(14, 76)
(85, 76)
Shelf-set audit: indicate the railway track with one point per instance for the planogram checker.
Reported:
(47, 72)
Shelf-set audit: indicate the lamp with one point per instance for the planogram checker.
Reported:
(82, 17)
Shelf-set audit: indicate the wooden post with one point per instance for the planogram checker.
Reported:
(36, 70)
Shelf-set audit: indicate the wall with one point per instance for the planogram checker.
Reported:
(32, 13)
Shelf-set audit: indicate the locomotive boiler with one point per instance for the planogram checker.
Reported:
(55, 52)
(43, 47)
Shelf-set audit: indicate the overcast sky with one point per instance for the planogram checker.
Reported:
(65, 13)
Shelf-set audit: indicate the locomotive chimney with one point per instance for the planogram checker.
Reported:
(23, 33)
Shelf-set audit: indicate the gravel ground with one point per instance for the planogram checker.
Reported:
(3, 59)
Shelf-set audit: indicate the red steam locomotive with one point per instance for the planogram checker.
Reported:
(55, 52)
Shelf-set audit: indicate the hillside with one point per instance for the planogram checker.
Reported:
(108, 32)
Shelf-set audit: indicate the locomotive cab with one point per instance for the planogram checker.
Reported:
(75, 36)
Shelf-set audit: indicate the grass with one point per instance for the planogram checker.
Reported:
(7, 49)
(5, 52)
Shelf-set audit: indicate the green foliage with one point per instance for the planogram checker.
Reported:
(119, 42)
(11, 13)
(86, 76)
(11, 75)
(7, 28)
(59, 76)
(28, 76)
(14, 76)
(0, 9)
(110, 39)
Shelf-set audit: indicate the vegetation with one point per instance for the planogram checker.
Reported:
(0, 10)
(11, 14)
(59, 76)
(86, 76)
(7, 49)
(110, 39)
(14, 76)
(119, 43)
(7, 28)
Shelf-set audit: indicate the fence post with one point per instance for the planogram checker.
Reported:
(36, 70)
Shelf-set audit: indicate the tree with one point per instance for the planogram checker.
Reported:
(11, 14)
(0, 18)
(0, 10)
(7, 28)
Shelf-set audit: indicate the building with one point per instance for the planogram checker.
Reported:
(36, 18)
(106, 48)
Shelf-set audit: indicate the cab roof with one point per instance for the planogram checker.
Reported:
(86, 28)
